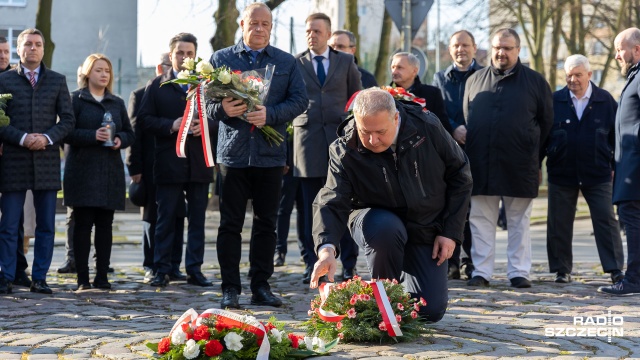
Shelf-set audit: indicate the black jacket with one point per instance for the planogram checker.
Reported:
(508, 120)
(94, 174)
(428, 186)
(161, 106)
(433, 100)
(451, 83)
(580, 152)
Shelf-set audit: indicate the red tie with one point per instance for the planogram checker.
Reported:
(32, 79)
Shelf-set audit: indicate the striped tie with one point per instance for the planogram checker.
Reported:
(32, 79)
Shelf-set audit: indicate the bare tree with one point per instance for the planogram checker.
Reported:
(43, 23)
(352, 22)
(383, 51)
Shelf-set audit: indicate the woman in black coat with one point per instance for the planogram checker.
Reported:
(94, 182)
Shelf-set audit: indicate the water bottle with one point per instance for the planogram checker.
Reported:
(107, 122)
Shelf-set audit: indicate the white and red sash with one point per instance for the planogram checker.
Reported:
(197, 102)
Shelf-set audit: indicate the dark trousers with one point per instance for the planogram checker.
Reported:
(21, 260)
(85, 218)
(290, 195)
(11, 205)
(390, 255)
(629, 212)
(237, 185)
(562, 211)
(466, 246)
(170, 197)
(348, 248)
(149, 223)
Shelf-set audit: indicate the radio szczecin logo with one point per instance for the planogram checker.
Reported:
(590, 326)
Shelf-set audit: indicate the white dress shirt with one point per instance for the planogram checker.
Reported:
(581, 104)
(325, 61)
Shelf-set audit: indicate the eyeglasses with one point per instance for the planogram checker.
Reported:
(503, 48)
(343, 47)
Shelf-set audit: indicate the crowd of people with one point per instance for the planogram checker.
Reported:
(417, 190)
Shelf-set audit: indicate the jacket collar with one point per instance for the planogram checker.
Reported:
(473, 68)
(515, 69)
(597, 94)
(416, 83)
(85, 94)
(239, 48)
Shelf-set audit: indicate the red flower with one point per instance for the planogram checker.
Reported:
(164, 345)
(341, 336)
(201, 333)
(423, 302)
(400, 306)
(295, 340)
(351, 313)
(213, 348)
(414, 314)
(186, 328)
(416, 306)
(237, 72)
(353, 300)
(398, 318)
(339, 325)
(382, 326)
(365, 297)
(269, 326)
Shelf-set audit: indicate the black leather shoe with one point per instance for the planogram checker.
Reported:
(84, 286)
(5, 286)
(520, 282)
(68, 267)
(40, 286)
(616, 276)
(101, 284)
(22, 280)
(478, 281)
(264, 296)
(306, 275)
(160, 279)
(454, 272)
(198, 279)
(177, 275)
(230, 298)
(279, 261)
(563, 278)
(111, 270)
(348, 274)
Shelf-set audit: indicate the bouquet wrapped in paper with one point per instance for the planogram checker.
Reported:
(221, 334)
(398, 93)
(4, 119)
(252, 87)
(365, 311)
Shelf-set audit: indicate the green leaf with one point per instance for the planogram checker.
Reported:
(153, 346)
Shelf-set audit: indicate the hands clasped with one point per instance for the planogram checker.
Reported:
(35, 142)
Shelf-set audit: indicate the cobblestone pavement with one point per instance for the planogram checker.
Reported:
(493, 322)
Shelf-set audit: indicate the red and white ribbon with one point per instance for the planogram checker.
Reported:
(197, 102)
(380, 294)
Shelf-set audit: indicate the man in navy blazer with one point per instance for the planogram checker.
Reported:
(626, 182)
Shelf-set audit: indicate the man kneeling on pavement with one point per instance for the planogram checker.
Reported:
(402, 186)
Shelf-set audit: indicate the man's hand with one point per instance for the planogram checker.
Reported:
(233, 108)
(443, 249)
(195, 127)
(258, 117)
(176, 125)
(136, 178)
(29, 140)
(460, 134)
(116, 143)
(326, 265)
(37, 142)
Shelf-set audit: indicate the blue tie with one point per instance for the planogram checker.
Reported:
(254, 54)
(321, 74)
(185, 87)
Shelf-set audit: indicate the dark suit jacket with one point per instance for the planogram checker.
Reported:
(317, 127)
(433, 99)
(161, 106)
(627, 175)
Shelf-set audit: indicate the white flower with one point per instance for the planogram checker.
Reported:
(178, 337)
(233, 341)
(184, 74)
(308, 341)
(188, 63)
(224, 77)
(320, 344)
(276, 335)
(204, 67)
(191, 349)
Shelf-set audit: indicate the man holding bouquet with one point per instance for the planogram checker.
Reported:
(401, 185)
(251, 166)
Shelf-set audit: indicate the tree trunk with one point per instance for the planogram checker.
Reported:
(43, 23)
(382, 62)
(352, 21)
(624, 15)
(226, 19)
(555, 44)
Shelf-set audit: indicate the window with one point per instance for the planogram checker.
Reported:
(12, 36)
(13, 2)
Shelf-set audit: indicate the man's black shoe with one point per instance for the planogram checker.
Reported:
(230, 298)
(5, 286)
(102, 284)
(198, 279)
(454, 272)
(478, 281)
(111, 270)
(68, 267)
(177, 275)
(563, 278)
(264, 296)
(83, 286)
(617, 276)
(306, 275)
(40, 286)
(520, 282)
(348, 274)
(160, 280)
(22, 280)
(279, 261)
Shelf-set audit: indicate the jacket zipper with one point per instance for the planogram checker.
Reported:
(389, 189)
(415, 165)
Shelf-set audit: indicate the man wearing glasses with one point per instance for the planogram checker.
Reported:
(345, 41)
(509, 113)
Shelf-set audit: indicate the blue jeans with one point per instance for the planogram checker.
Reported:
(390, 255)
(11, 205)
(629, 212)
